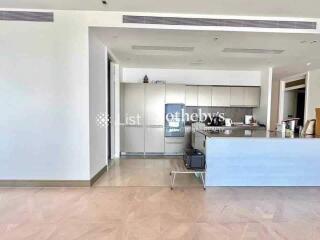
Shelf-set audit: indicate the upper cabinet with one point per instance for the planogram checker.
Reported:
(220, 96)
(191, 96)
(175, 93)
(245, 96)
(252, 96)
(204, 96)
(237, 96)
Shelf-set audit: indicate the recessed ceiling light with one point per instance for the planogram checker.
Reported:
(215, 39)
(104, 2)
(313, 42)
(309, 63)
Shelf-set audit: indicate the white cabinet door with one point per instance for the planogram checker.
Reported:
(174, 145)
(237, 96)
(133, 101)
(252, 97)
(220, 96)
(133, 139)
(154, 104)
(191, 96)
(154, 139)
(175, 93)
(204, 96)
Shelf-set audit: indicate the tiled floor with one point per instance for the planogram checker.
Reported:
(138, 213)
(133, 171)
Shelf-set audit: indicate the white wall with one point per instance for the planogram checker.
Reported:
(44, 93)
(263, 113)
(313, 94)
(98, 95)
(44, 100)
(196, 77)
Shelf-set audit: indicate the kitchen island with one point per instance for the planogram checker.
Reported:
(259, 158)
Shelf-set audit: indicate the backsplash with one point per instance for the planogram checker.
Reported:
(235, 113)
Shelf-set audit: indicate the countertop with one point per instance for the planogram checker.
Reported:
(256, 133)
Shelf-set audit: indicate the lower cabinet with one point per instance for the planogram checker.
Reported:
(154, 139)
(133, 139)
(174, 145)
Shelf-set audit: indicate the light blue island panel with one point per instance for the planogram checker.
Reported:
(262, 162)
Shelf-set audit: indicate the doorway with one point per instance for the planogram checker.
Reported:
(292, 100)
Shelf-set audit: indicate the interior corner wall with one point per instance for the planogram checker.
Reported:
(312, 92)
(44, 99)
(98, 95)
(263, 113)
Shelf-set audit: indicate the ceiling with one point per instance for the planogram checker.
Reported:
(205, 49)
(300, 8)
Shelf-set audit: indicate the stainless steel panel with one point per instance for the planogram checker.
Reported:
(154, 139)
(134, 101)
(133, 139)
(154, 104)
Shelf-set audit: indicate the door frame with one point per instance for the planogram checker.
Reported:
(283, 89)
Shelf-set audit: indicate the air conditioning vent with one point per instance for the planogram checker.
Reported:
(26, 16)
(219, 22)
(253, 51)
(163, 48)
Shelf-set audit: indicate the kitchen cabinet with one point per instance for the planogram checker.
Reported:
(191, 96)
(175, 93)
(154, 104)
(154, 118)
(204, 96)
(252, 96)
(133, 101)
(174, 145)
(220, 96)
(133, 139)
(237, 96)
(154, 139)
(245, 96)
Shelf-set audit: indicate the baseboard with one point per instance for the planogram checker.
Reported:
(44, 183)
(98, 175)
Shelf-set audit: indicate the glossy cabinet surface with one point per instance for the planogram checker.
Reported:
(133, 101)
(133, 139)
(154, 139)
(252, 96)
(191, 96)
(154, 104)
(237, 96)
(220, 96)
(204, 96)
(175, 93)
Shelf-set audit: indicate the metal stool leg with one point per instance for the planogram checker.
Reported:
(172, 180)
(203, 181)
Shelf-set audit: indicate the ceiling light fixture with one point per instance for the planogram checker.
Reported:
(309, 63)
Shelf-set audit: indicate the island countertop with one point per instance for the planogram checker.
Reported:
(256, 133)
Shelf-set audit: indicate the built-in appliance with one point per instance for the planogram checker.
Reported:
(228, 122)
(174, 120)
(248, 119)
